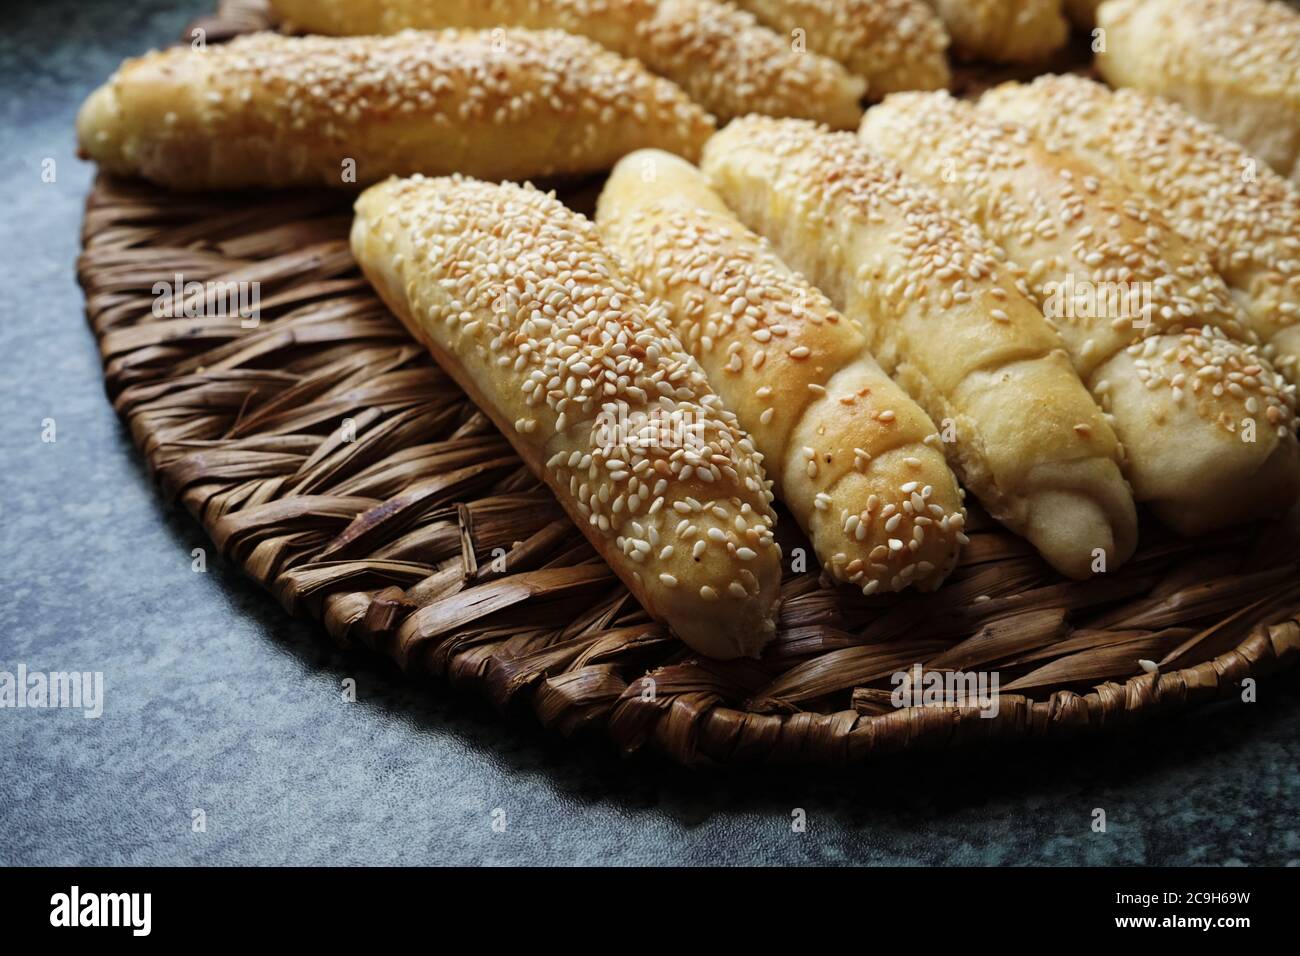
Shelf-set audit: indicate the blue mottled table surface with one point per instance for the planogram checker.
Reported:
(216, 701)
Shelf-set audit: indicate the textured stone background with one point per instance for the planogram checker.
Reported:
(216, 700)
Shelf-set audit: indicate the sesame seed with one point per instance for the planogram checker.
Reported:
(506, 255)
(505, 79)
(1247, 225)
(1191, 323)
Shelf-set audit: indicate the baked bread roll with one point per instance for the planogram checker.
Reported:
(1004, 31)
(857, 462)
(1233, 63)
(893, 44)
(719, 55)
(1206, 423)
(521, 304)
(267, 111)
(1241, 213)
(945, 318)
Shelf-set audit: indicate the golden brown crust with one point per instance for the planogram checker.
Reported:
(1004, 31)
(521, 304)
(719, 55)
(1233, 63)
(1242, 214)
(1150, 327)
(268, 111)
(946, 319)
(894, 44)
(857, 462)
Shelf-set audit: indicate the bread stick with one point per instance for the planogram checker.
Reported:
(1233, 63)
(1004, 31)
(857, 462)
(269, 111)
(894, 44)
(945, 318)
(719, 55)
(1206, 422)
(521, 304)
(1242, 214)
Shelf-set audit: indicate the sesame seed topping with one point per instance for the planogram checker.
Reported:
(1001, 183)
(722, 285)
(331, 93)
(1213, 192)
(894, 258)
(895, 44)
(642, 423)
